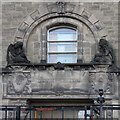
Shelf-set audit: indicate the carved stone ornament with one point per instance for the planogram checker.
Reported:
(103, 81)
(15, 54)
(61, 7)
(58, 90)
(59, 66)
(106, 54)
(19, 84)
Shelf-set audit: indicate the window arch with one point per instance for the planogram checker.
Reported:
(39, 39)
(62, 45)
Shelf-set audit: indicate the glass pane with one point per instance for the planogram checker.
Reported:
(62, 47)
(69, 114)
(62, 34)
(81, 114)
(57, 114)
(63, 58)
(46, 114)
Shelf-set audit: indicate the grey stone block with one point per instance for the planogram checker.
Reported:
(93, 19)
(23, 28)
(99, 25)
(35, 15)
(86, 14)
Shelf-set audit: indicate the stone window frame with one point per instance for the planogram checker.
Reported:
(63, 26)
(56, 23)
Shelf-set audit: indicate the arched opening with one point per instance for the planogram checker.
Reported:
(62, 45)
(38, 42)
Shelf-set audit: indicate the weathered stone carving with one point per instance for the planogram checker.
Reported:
(59, 90)
(106, 54)
(15, 53)
(103, 81)
(10, 88)
(59, 66)
(19, 84)
(48, 83)
(60, 7)
(59, 82)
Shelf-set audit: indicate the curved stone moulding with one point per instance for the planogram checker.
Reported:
(35, 18)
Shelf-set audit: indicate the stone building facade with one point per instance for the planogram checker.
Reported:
(31, 73)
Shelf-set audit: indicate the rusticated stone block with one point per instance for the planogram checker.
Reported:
(35, 15)
(98, 25)
(29, 20)
(93, 19)
(86, 14)
(23, 28)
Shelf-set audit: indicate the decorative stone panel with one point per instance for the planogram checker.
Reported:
(103, 80)
(51, 83)
(17, 83)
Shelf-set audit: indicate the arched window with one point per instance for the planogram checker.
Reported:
(62, 45)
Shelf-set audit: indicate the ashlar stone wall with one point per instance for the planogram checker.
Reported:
(29, 22)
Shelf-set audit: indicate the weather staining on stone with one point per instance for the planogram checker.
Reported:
(59, 66)
(106, 54)
(15, 54)
(60, 7)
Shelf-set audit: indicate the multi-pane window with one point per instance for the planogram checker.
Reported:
(58, 114)
(62, 45)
